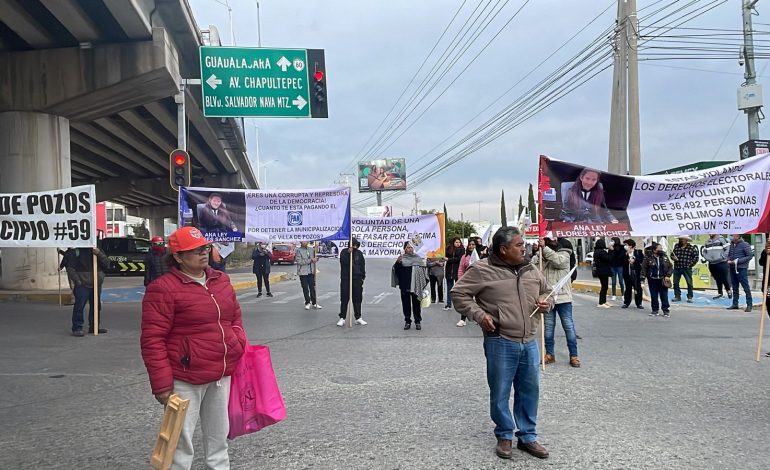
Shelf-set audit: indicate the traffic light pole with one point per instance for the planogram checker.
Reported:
(181, 121)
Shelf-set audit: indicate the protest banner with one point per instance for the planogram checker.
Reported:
(60, 218)
(384, 237)
(578, 201)
(227, 215)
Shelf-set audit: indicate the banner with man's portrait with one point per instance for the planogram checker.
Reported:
(245, 215)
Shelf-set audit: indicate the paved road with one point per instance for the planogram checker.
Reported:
(682, 393)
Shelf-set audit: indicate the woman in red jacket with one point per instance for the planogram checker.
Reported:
(192, 339)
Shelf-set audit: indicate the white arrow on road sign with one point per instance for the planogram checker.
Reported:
(284, 63)
(213, 81)
(299, 102)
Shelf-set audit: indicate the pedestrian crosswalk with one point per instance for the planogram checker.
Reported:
(283, 297)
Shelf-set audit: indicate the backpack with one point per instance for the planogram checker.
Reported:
(572, 263)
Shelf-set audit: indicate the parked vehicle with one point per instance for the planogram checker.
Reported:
(283, 253)
(126, 255)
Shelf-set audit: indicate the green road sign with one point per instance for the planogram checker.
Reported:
(697, 166)
(257, 82)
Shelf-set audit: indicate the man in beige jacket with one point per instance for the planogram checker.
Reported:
(501, 293)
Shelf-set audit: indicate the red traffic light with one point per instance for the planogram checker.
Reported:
(318, 75)
(180, 159)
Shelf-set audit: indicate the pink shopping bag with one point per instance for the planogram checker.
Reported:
(255, 400)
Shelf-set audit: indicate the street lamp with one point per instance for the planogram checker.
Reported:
(264, 170)
(226, 4)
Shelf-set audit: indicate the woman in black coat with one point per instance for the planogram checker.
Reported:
(603, 265)
(454, 253)
(261, 256)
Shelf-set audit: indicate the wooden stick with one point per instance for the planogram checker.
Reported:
(764, 308)
(59, 276)
(542, 316)
(96, 296)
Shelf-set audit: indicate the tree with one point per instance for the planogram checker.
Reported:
(503, 216)
(521, 207)
(531, 203)
(456, 228)
(141, 230)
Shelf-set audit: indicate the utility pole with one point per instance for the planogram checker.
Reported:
(752, 112)
(416, 200)
(625, 147)
(634, 132)
(617, 158)
(750, 73)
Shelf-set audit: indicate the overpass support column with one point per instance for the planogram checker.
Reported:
(34, 156)
(157, 226)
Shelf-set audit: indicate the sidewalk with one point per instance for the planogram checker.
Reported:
(123, 294)
(701, 298)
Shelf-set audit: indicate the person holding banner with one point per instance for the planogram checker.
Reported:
(261, 267)
(632, 272)
(584, 201)
(305, 259)
(738, 258)
(454, 254)
(715, 252)
(657, 270)
(501, 293)
(192, 339)
(556, 265)
(603, 264)
(359, 275)
(79, 263)
(410, 275)
(762, 262)
(685, 257)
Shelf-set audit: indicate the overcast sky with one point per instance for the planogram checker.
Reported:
(373, 49)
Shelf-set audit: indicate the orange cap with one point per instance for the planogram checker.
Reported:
(186, 238)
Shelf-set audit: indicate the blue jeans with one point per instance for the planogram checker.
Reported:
(740, 279)
(513, 364)
(449, 284)
(565, 314)
(617, 277)
(84, 295)
(687, 273)
(658, 292)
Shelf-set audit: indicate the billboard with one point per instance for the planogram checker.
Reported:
(382, 175)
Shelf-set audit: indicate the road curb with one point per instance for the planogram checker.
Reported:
(274, 277)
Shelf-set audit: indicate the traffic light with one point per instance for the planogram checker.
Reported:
(317, 78)
(179, 169)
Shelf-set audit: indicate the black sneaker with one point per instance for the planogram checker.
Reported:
(78, 333)
(748, 309)
(653, 313)
(733, 307)
(666, 315)
(624, 306)
(717, 297)
(417, 326)
(676, 299)
(640, 307)
(259, 295)
(269, 294)
(407, 325)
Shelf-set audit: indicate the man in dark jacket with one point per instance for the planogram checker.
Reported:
(155, 263)
(685, 257)
(359, 274)
(632, 276)
(738, 258)
(80, 271)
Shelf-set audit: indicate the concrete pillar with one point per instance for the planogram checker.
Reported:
(34, 156)
(156, 226)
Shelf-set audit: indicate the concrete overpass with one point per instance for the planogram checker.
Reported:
(87, 96)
